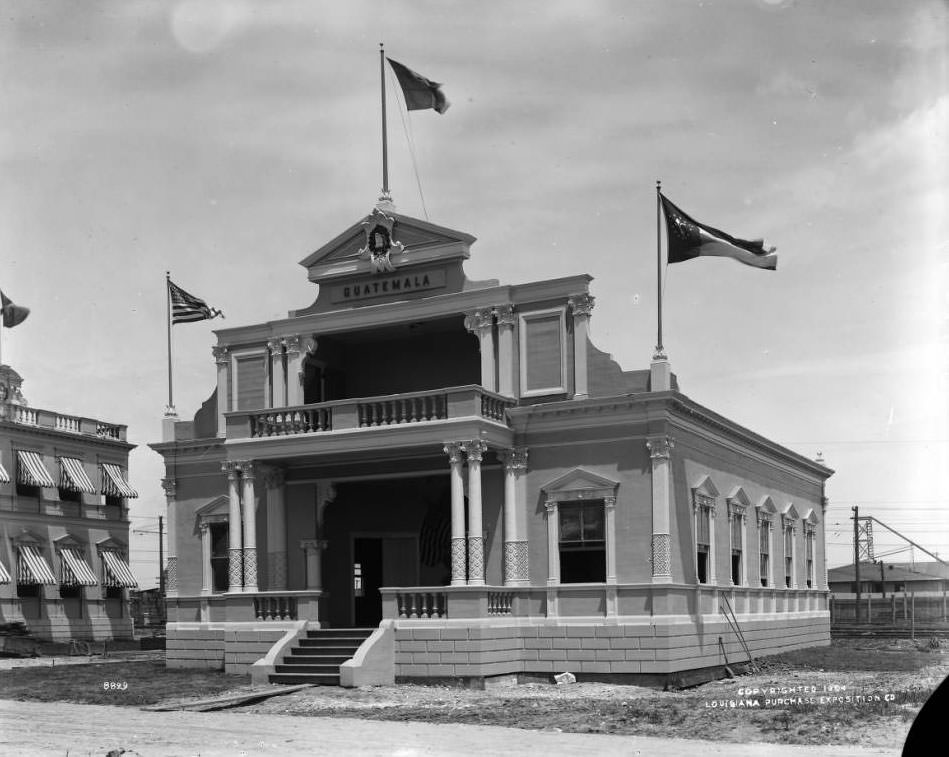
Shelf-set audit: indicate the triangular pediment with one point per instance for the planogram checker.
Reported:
(420, 241)
(766, 505)
(215, 509)
(706, 486)
(580, 483)
(111, 545)
(738, 497)
(790, 512)
(67, 541)
(811, 517)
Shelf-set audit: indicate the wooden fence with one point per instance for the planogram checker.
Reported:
(897, 609)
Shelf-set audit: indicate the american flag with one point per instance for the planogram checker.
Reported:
(186, 308)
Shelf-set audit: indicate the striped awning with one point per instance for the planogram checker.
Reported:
(31, 471)
(117, 571)
(73, 477)
(114, 483)
(75, 571)
(32, 568)
(4, 575)
(4, 476)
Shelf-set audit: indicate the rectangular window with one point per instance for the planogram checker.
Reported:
(735, 534)
(809, 557)
(219, 556)
(582, 542)
(68, 495)
(788, 556)
(543, 357)
(702, 542)
(764, 537)
(250, 381)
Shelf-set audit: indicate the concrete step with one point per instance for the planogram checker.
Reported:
(299, 657)
(335, 649)
(316, 679)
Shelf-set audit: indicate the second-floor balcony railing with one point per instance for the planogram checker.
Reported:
(369, 412)
(70, 424)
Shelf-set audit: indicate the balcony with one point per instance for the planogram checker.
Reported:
(463, 409)
(67, 424)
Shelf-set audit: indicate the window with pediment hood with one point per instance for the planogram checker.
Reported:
(703, 516)
(766, 513)
(738, 504)
(789, 521)
(213, 522)
(581, 537)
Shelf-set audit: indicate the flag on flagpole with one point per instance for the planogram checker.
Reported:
(186, 308)
(13, 315)
(690, 239)
(420, 93)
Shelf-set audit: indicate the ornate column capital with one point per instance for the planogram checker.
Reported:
(551, 506)
(504, 315)
(170, 487)
(247, 468)
(454, 450)
(475, 450)
(275, 344)
(581, 304)
(479, 320)
(660, 447)
(514, 459)
(273, 476)
(220, 353)
(204, 526)
(231, 468)
(609, 502)
(300, 343)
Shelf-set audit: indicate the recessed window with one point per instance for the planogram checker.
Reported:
(250, 380)
(219, 556)
(788, 556)
(735, 535)
(582, 542)
(703, 539)
(542, 352)
(764, 548)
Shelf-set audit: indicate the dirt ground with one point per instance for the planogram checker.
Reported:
(855, 693)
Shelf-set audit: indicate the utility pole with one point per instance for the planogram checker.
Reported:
(856, 558)
(882, 580)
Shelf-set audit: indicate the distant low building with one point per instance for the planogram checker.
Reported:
(64, 525)
(893, 579)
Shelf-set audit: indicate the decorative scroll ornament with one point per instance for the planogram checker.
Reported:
(379, 242)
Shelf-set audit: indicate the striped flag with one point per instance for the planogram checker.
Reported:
(186, 308)
(690, 239)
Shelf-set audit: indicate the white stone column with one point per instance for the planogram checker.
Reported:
(171, 558)
(313, 549)
(712, 554)
(278, 376)
(250, 527)
(298, 348)
(506, 353)
(276, 529)
(515, 541)
(475, 451)
(235, 562)
(458, 543)
(609, 507)
(480, 323)
(660, 449)
(207, 580)
(582, 306)
(223, 400)
(553, 542)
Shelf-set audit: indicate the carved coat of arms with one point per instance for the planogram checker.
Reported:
(379, 242)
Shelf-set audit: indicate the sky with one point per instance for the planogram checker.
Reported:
(225, 140)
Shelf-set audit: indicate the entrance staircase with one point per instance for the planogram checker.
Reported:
(317, 657)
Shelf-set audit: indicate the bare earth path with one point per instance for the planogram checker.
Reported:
(39, 728)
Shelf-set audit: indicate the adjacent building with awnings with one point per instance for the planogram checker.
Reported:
(64, 521)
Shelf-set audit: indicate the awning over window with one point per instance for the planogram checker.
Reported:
(4, 476)
(114, 483)
(117, 571)
(75, 571)
(4, 575)
(73, 476)
(31, 471)
(32, 568)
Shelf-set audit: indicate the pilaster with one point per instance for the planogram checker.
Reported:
(582, 307)
(480, 323)
(274, 482)
(250, 527)
(220, 353)
(278, 374)
(660, 450)
(507, 379)
(515, 539)
(235, 561)
(171, 562)
(298, 348)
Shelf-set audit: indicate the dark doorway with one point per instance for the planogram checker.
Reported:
(367, 578)
(219, 556)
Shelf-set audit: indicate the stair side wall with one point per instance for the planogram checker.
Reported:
(231, 647)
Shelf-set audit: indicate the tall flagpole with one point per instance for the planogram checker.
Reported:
(170, 410)
(660, 353)
(385, 146)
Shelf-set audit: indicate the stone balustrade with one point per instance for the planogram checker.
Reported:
(257, 606)
(370, 412)
(68, 424)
